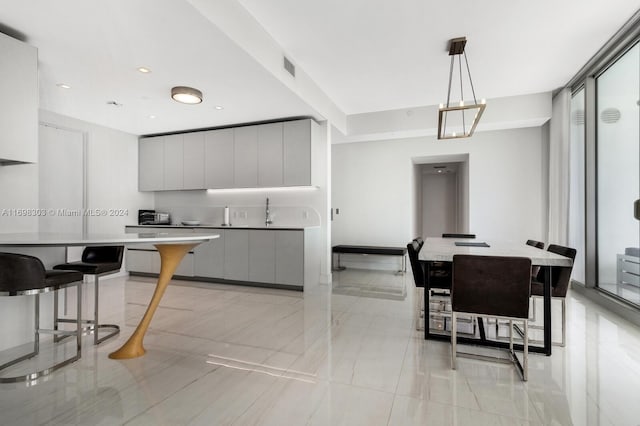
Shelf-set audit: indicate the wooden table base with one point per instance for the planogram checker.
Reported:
(170, 257)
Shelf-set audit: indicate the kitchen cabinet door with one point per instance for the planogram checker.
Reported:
(151, 164)
(140, 261)
(262, 256)
(236, 254)
(270, 169)
(19, 101)
(193, 163)
(297, 152)
(209, 257)
(290, 257)
(173, 162)
(245, 157)
(218, 147)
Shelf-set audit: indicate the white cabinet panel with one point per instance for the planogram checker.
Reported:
(173, 162)
(151, 164)
(236, 254)
(209, 257)
(245, 157)
(19, 101)
(218, 158)
(262, 256)
(140, 261)
(194, 161)
(290, 257)
(297, 152)
(270, 159)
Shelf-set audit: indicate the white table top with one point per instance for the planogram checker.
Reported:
(48, 239)
(443, 249)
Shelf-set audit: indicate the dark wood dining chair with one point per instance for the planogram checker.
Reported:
(493, 286)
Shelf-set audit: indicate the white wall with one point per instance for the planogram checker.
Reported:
(439, 204)
(374, 186)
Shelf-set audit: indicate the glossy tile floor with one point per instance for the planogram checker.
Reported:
(237, 355)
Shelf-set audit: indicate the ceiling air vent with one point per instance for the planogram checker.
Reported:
(288, 65)
(610, 115)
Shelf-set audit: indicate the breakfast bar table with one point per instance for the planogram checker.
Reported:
(443, 250)
(172, 248)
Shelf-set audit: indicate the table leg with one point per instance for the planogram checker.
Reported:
(170, 257)
(547, 310)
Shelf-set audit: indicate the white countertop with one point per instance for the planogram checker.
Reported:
(209, 226)
(44, 239)
(443, 250)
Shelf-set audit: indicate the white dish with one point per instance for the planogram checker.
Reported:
(191, 222)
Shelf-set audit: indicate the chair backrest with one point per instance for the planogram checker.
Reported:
(19, 272)
(420, 242)
(560, 275)
(413, 248)
(458, 235)
(536, 244)
(491, 285)
(103, 254)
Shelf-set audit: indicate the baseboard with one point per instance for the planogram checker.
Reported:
(618, 307)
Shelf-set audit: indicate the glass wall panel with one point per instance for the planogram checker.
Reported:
(618, 177)
(577, 191)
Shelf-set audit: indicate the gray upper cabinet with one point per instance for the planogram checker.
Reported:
(297, 153)
(19, 101)
(151, 164)
(245, 157)
(262, 256)
(218, 158)
(174, 162)
(264, 155)
(236, 254)
(270, 169)
(193, 160)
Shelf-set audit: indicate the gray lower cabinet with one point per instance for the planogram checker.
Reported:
(148, 261)
(289, 250)
(209, 257)
(236, 254)
(262, 256)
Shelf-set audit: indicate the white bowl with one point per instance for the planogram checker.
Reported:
(191, 222)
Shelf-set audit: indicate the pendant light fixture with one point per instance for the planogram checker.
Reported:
(459, 119)
(186, 95)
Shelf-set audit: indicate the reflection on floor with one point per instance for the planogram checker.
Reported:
(370, 283)
(235, 355)
(628, 292)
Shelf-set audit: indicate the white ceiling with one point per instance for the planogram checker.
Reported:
(366, 55)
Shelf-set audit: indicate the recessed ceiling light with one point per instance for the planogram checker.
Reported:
(63, 86)
(219, 107)
(152, 117)
(186, 95)
(144, 70)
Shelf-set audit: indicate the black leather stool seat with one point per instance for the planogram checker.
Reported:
(90, 268)
(57, 279)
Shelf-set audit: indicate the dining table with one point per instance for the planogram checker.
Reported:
(172, 248)
(443, 250)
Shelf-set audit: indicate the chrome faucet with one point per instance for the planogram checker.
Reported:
(267, 219)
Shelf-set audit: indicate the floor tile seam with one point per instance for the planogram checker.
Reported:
(404, 356)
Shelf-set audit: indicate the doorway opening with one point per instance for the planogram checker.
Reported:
(441, 195)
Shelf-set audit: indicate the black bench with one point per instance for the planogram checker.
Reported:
(375, 250)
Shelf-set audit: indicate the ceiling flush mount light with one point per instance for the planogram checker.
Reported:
(144, 70)
(460, 118)
(186, 95)
(219, 107)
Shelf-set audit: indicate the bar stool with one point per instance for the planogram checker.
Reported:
(97, 261)
(23, 275)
